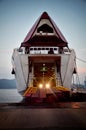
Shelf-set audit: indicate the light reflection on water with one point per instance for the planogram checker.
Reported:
(9, 96)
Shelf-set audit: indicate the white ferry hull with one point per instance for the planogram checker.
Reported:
(20, 63)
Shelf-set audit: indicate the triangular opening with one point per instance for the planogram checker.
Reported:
(45, 28)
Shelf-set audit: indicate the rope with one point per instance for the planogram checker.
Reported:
(81, 60)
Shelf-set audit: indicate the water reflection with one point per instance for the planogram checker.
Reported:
(9, 95)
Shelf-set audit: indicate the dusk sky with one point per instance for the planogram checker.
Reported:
(18, 16)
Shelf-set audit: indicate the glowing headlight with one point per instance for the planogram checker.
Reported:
(40, 85)
(47, 86)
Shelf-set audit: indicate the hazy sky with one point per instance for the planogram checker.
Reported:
(18, 16)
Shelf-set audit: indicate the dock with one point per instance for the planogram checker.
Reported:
(51, 117)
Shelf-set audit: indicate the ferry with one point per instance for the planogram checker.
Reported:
(44, 64)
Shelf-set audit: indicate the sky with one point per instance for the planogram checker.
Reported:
(18, 16)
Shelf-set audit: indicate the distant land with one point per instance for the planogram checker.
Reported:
(11, 84)
(7, 84)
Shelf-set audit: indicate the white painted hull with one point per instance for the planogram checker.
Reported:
(21, 67)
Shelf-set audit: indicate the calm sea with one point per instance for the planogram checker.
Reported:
(9, 96)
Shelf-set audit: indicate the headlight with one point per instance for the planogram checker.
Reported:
(47, 85)
(40, 85)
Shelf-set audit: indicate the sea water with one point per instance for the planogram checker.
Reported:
(10, 96)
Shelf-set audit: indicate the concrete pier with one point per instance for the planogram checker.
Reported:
(64, 115)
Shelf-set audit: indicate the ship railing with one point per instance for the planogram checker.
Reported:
(46, 50)
(42, 50)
